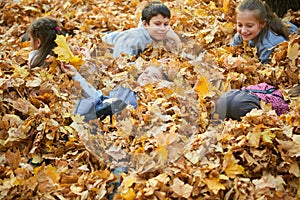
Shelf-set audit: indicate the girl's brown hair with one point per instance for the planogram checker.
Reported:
(44, 29)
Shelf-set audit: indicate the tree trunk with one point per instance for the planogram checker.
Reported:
(280, 7)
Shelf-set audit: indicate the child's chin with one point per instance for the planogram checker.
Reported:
(159, 38)
(247, 38)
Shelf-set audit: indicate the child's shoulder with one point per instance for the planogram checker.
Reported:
(136, 33)
(292, 28)
(273, 39)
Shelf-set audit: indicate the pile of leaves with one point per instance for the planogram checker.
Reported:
(170, 145)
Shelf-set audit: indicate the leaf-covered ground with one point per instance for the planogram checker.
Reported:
(169, 144)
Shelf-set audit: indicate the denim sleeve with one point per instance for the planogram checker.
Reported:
(99, 98)
(87, 89)
(264, 55)
(237, 40)
(125, 94)
(292, 28)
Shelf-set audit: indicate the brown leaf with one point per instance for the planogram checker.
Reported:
(13, 158)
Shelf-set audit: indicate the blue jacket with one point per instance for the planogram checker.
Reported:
(133, 41)
(96, 105)
(266, 47)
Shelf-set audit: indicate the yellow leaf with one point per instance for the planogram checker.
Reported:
(52, 173)
(231, 167)
(64, 52)
(76, 61)
(36, 158)
(202, 86)
(163, 153)
(128, 194)
(234, 169)
(200, 12)
(214, 185)
(226, 5)
(128, 181)
(20, 72)
(268, 136)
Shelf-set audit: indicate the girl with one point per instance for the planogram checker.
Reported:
(260, 27)
(96, 105)
(42, 33)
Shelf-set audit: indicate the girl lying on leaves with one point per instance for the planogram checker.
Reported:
(261, 28)
(42, 33)
(96, 105)
(237, 103)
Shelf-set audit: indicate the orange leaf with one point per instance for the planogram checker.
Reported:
(202, 86)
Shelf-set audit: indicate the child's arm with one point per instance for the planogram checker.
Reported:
(88, 89)
(131, 42)
(292, 28)
(171, 35)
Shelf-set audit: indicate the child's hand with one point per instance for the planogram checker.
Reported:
(70, 70)
(171, 35)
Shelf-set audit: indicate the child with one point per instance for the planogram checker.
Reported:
(155, 28)
(42, 33)
(96, 105)
(261, 28)
(237, 103)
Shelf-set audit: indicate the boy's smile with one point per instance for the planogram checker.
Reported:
(158, 27)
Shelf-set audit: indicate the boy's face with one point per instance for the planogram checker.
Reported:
(158, 27)
(151, 74)
(248, 24)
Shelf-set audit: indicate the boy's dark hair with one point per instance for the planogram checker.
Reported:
(264, 12)
(44, 29)
(153, 9)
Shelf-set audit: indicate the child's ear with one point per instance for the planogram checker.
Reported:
(144, 23)
(263, 24)
(38, 42)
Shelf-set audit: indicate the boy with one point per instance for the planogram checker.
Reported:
(155, 20)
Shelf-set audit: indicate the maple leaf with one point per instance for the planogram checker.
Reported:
(231, 167)
(13, 159)
(214, 185)
(64, 52)
(202, 86)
